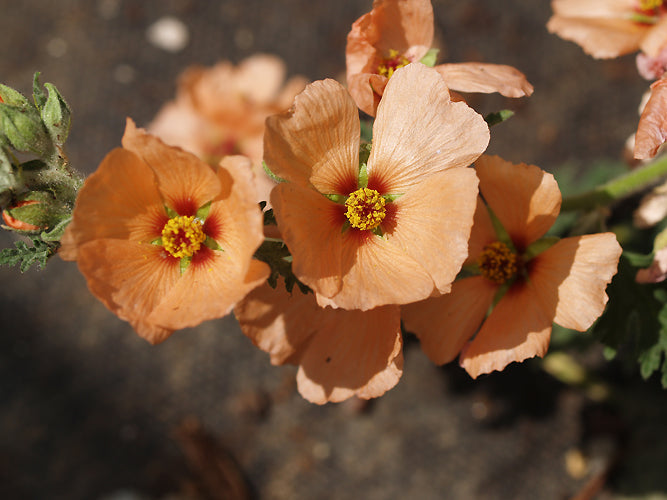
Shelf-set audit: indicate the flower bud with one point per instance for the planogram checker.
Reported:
(23, 127)
(56, 115)
(33, 212)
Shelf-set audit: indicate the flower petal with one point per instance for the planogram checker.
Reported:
(317, 141)
(311, 227)
(482, 233)
(652, 129)
(517, 329)
(419, 131)
(655, 38)
(185, 181)
(444, 324)
(352, 353)
(480, 77)
(366, 90)
(570, 278)
(525, 198)
(433, 222)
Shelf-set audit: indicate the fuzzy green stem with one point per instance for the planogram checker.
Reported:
(617, 188)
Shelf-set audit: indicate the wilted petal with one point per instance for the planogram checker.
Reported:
(419, 131)
(569, 279)
(317, 141)
(479, 77)
(352, 353)
(525, 198)
(444, 324)
(517, 329)
(652, 129)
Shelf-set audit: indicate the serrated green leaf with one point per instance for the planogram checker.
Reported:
(26, 256)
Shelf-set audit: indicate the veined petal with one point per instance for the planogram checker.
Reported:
(482, 233)
(525, 198)
(311, 227)
(403, 25)
(444, 324)
(419, 131)
(652, 129)
(130, 278)
(352, 353)
(185, 182)
(317, 141)
(124, 204)
(433, 222)
(480, 77)
(366, 89)
(570, 278)
(517, 329)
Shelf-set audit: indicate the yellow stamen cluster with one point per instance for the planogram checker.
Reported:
(392, 63)
(182, 236)
(365, 208)
(497, 262)
(649, 4)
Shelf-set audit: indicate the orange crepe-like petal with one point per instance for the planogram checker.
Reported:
(525, 198)
(482, 233)
(517, 329)
(120, 200)
(433, 221)
(353, 353)
(311, 227)
(317, 141)
(367, 89)
(185, 182)
(652, 129)
(480, 77)
(444, 324)
(419, 131)
(210, 288)
(569, 279)
(402, 24)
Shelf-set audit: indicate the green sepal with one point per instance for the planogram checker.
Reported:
(56, 115)
(539, 246)
(430, 58)
(377, 231)
(157, 241)
(498, 117)
(202, 212)
(363, 176)
(24, 129)
(501, 233)
(38, 95)
(56, 234)
(13, 97)
(273, 176)
(392, 197)
(212, 244)
(184, 263)
(643, 19)
(336, 198)
(171, 213)
(502, 290)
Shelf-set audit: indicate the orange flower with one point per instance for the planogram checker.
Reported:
(564, 283)
(221, 111)
(340, 353)
(652, 129)
(393, 230)
(398, 32)
(163, 239)
(611, 28)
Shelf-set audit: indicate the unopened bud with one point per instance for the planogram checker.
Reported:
(23, 127)
(56, 115)
(34, 212)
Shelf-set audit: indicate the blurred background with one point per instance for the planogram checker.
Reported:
(88, 410)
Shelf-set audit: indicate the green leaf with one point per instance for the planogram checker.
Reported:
(430, 58)
(25, 255)
(498, 117)
(203, 211)
(638, 259)
(38, 95)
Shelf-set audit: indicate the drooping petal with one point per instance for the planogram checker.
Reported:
(317, 141)
(185, 182)
(444, 324)
(524, 197)
(352, 353)
(433, 221)
(480, 77)
(131, 279)
(569, 279)
(311, 227)
(652, 129)
(517, 329)
(419, 131)
(119, 200)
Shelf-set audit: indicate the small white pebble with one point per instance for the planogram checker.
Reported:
(124, 73)
(56, 47)
(168, 33)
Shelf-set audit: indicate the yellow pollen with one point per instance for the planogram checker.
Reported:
(497, 262)
(390, 64)
(182, 236)
(365, 208)
(649, 4)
